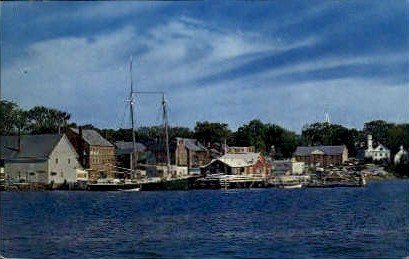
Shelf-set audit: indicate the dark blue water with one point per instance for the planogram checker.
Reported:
(340, 222)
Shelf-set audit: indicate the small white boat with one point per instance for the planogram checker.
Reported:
(132, 190)
(293, 186)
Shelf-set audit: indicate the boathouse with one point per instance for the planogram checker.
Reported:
(288, 167)
(44, 159)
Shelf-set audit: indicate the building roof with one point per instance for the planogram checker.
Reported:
(193, 144)
(327, 150)
(381, 148)
(123, 147)
(93, 138)
(239, 159)
(33, 147)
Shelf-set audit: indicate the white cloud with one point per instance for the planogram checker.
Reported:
(183, 50)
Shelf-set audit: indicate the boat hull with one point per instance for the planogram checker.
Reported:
(112, 187)
(170, 185)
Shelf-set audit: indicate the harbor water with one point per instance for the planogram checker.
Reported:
(371, 221)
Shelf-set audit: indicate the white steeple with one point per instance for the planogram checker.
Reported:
(327, 120)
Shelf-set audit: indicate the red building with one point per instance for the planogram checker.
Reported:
(322, 155)
(239, 164)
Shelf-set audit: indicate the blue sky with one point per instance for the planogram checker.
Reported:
(284, 62)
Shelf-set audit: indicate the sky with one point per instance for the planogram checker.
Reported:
(283, 62)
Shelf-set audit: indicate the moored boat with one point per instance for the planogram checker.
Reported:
(292, 186)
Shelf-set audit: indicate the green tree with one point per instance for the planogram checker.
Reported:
(211, 132)
(397, 135)
(13, 119)
(378, 129)
(42, 120)
(323, 133)
(252, 134)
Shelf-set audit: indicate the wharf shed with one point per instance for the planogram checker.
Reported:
(322, 155)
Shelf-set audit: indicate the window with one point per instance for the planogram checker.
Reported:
(32, 173)
(56, 160)
(69, 161)
(53, 173)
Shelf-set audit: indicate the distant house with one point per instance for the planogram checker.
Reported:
(234, 150)
(376, 154)
(45, 159)
(238, 164)
(96, 154)
(190, 153)
(322, 155)
(123, 151)
(287, 167)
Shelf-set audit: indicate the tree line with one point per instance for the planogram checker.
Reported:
(265, 137)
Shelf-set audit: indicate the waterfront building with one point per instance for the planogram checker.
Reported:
(191, 153)
(321, 155)
(45, 159)
(96, 154)
(287, 167)
(124, 150)
(378, 153)
(238, 164)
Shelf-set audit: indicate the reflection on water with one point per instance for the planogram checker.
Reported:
(340, 222)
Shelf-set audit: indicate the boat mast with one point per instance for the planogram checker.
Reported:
(165, 121)
(131, 104)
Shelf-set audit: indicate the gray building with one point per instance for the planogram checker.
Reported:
(48, 158)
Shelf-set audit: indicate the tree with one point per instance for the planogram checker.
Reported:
(378, 129)
(181, 132)
(42, 120)
(211, 132)
(13, 119)
(397, 135)
(252, 134)
(323, 133)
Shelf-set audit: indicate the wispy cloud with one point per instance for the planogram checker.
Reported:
(182, 51)
(284, 68)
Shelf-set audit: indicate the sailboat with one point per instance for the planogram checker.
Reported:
(167, 182)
